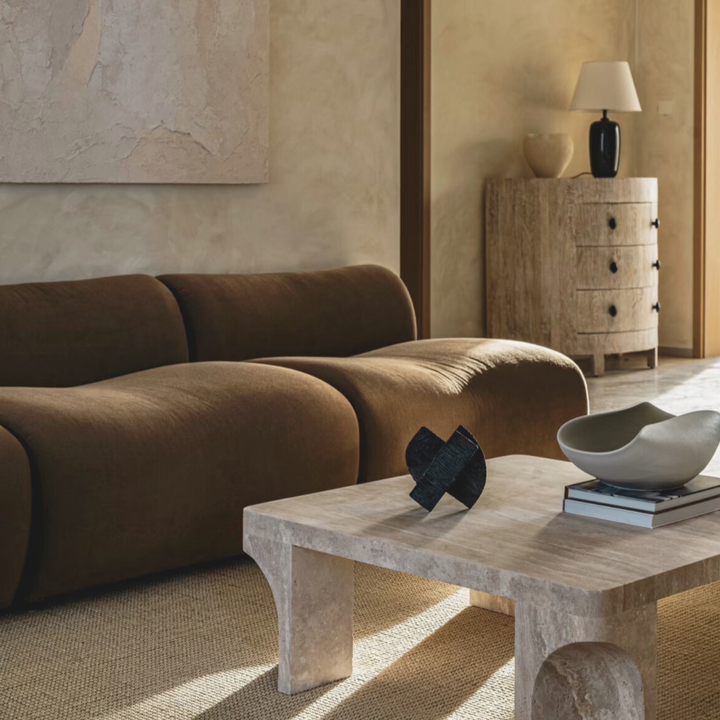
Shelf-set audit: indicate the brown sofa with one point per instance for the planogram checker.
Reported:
(139, 416)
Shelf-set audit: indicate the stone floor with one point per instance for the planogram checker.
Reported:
(677, 386)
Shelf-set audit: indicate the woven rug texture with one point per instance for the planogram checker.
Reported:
(202, 645)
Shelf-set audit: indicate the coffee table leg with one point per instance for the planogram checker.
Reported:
(494, 603)
(568, 666)
(314, 599)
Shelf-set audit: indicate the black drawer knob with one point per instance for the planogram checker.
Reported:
(612, 310)
(612, 223)
(656, 223)
(656, 307)
(657, 265)
(613, 267)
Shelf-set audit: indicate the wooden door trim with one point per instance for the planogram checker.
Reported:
(699, 247)
(415, 157)
(706, 291)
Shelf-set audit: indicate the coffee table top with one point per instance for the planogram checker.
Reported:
(515, 542)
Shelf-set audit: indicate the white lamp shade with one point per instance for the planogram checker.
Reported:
(606, 86)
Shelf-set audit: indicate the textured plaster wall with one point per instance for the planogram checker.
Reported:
(333, 195)
(665, 149)
(501, 70)
(163, 91)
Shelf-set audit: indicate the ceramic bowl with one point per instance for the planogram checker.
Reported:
(548, 155)
(642, 447)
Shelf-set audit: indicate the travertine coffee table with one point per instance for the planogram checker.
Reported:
(585, 591)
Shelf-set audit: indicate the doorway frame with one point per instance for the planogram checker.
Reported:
(415, 71)
(706, 241)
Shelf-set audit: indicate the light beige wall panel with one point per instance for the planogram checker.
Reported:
(665, 150)
(333, 195)
(502, 70)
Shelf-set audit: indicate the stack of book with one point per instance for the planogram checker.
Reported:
(649, 509)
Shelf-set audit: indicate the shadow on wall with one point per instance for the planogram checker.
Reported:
(455, 208)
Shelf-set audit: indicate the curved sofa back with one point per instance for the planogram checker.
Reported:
(60, 334)
(329, 312)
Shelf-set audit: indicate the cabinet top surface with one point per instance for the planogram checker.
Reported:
(583, 189)
(578, 180)
(515, 541)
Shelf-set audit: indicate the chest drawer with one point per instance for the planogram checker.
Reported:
(608, 311)
(616, 224)
(618, 266)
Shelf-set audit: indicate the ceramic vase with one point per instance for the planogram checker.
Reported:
(548, 154)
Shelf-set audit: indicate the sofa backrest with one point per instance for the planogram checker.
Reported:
(60, 334)
(330, 312)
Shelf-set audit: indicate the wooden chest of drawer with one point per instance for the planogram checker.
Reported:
(572, 264)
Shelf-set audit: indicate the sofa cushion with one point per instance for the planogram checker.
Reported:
(330, 312)
(15, 509)
(152, 471)
(60, 334)
(512, 396)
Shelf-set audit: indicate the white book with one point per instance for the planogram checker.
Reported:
(641, 519)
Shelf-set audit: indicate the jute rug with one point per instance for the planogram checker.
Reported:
(203, 645)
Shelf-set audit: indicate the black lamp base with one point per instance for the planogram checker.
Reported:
(604, 148)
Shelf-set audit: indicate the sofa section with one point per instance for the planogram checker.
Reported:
(152, 470)
(15, 514)
(354, 328)
(325, 313)
(119, 457)
(512, 396)
(61, 334)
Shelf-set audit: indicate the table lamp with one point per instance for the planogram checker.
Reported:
(605, 86)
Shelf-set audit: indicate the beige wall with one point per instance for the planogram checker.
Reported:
(501, 70)
(333, 196)
(665, 52)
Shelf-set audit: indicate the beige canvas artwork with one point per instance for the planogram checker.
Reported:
(134, 91)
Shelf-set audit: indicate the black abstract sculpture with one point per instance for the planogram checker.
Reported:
(456, 467)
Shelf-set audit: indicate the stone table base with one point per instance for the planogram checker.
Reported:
(486, 601)
(567, 667)
(314, 598)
